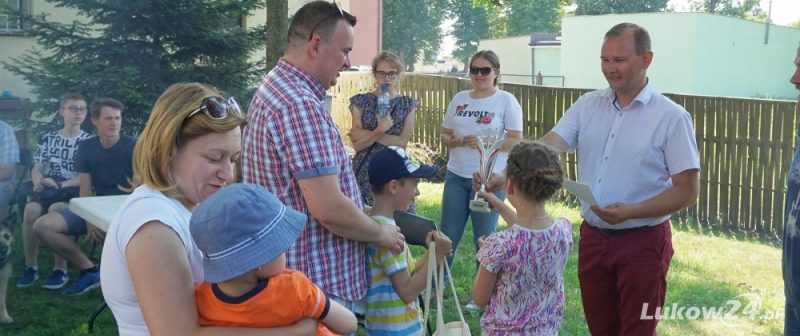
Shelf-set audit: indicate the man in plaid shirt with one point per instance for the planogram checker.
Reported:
(292, 147)
(9, 157)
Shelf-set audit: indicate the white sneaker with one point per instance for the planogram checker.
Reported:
(471, 306)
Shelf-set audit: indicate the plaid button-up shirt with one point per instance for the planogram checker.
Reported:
(9, 150)
(291, 136)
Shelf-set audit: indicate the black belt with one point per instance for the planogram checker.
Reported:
(617, 232)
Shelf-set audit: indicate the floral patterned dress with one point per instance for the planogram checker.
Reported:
(528, 298)
(399, 108)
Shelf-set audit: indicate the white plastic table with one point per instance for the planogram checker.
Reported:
(98, 210)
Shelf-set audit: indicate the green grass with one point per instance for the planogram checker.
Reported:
(708, 269)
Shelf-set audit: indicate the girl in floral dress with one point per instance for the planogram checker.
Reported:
(521, 274)
(370, 133)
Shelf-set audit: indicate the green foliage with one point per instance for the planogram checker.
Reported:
(596, 7)
(411, 28)
(700, 275)
(471, 25)
(795, 24)
(522, 17)
(527, 16)
(745, 9)
(133, 50)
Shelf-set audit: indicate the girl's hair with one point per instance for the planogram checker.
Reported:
(168, 130)
(489, 56)
(392, 59)
(535, 170)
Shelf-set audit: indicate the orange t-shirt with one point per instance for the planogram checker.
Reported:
(276, 302)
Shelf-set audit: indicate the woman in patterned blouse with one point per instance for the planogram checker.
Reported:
(370, 133)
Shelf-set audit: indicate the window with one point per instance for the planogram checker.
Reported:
(10, 23)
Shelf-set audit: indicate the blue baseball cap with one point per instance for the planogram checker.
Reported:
(240, 228)
(393, 163)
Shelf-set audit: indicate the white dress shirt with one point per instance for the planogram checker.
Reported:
(628, 154)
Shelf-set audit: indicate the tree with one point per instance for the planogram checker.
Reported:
(522, 17)
(132, 50)
(596, 7)
(471, 25)
(277, 29)
(745, 9)
(411, 28)
(528, 16)
(795, 24)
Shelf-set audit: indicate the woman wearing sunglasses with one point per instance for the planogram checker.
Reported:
(370, 133)
(150, 263)
(483, 106)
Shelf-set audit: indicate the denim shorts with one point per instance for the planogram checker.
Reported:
(76, 225)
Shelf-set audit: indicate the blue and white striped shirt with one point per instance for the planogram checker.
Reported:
(628, 155)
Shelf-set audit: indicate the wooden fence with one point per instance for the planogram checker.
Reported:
(745, 145)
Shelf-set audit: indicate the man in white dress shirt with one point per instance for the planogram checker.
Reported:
(638, 154)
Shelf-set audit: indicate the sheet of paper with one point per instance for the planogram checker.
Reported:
(581, 190)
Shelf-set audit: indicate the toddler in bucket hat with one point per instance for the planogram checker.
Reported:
(243, 232)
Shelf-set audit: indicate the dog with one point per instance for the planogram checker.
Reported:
(6, 242)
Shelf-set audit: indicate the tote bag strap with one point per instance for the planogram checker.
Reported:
(455, 295)
(429, 286)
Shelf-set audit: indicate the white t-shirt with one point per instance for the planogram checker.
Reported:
(142, 206)
(466, 115)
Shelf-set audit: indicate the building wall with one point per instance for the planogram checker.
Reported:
(734, 61)
(515, 58)
(694, 53)
(673, 45)
(367, 43)
(14, 46)
(547, 60)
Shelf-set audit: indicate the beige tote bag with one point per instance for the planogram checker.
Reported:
(455, 328)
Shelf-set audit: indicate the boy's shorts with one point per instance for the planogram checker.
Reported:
(76, 225)
(45, 204)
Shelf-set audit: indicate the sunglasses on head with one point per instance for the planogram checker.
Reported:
(338, 11)
(217, 108)
(484, 71)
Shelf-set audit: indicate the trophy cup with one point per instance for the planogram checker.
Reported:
(489, 142)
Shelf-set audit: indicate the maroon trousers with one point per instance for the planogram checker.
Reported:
(619, 274)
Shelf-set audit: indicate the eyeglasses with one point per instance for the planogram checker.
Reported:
(217, 108)
(484, 71)
(75, 109)
(338, 11)
(383, 74)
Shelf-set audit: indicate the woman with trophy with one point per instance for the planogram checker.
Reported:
(480, 126)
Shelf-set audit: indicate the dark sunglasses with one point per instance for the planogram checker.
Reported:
(217, 108)
(338, 11)
(484, 71)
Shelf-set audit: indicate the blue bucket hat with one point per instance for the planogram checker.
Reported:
(393, 163)
(240, 228)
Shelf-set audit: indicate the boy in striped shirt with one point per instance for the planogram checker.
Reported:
(391, 300)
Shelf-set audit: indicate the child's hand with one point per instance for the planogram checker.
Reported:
(444, 246)
(429, 238)
(490, 197)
